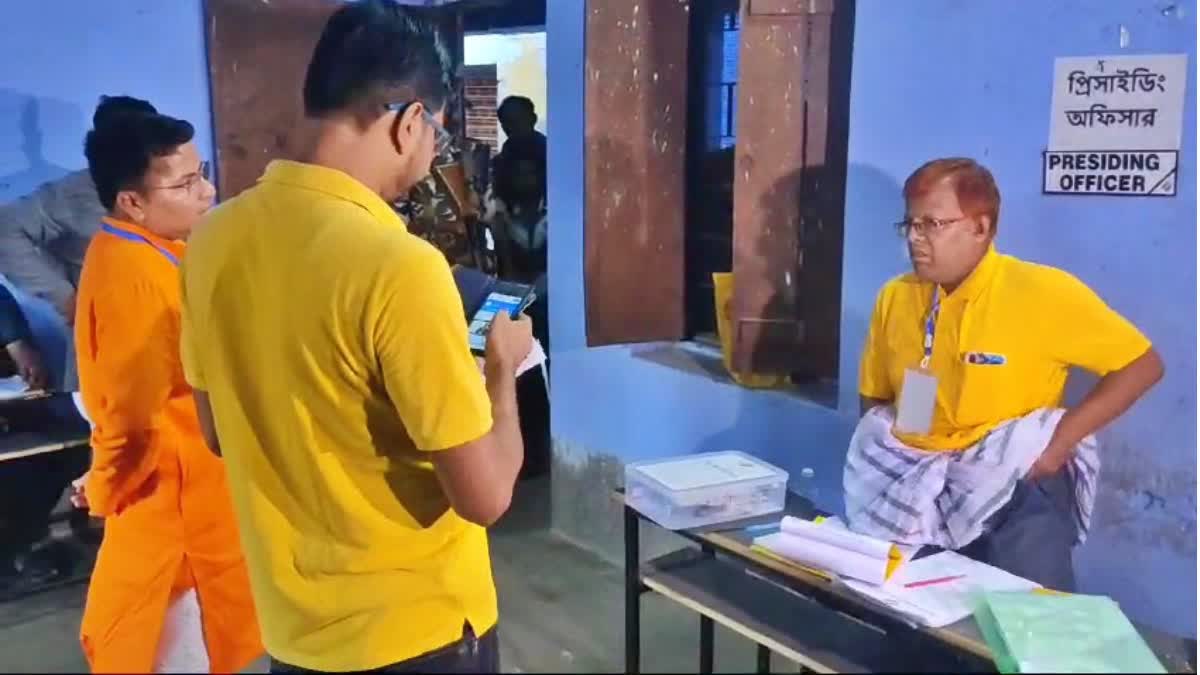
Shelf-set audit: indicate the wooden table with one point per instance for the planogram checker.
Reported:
(29, 395)
(18, 445)
(30, 430)
(817, 623)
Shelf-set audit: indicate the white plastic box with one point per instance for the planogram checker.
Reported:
(681, 493)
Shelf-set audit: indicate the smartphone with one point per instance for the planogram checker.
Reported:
(504, 297)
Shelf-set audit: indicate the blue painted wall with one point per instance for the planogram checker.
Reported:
(59, 56)
(933, 78)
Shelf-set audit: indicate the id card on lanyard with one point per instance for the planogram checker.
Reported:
(133, 236)
(918, 394)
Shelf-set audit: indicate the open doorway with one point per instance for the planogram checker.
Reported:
(504, 72)
(485, 206)
(507, 112)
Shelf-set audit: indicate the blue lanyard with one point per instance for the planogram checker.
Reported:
(930, 327)
(132, 236)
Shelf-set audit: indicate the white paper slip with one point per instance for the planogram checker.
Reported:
(941, 589)
(535, 358)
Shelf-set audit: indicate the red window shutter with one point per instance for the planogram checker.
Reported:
(636, 123)
(789, 191)
(258, 53)
(257, 56)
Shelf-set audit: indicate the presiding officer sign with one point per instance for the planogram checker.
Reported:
(1111, 172)
(1116, 124)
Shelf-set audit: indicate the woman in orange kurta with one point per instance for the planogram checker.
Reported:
(170, 590)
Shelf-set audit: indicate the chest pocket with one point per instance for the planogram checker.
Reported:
(992, 387)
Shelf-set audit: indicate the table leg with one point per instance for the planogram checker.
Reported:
(706, 629)
(764, 659)
(633, 584)
(706, 645)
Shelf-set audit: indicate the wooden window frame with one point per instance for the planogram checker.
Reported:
(790, 177)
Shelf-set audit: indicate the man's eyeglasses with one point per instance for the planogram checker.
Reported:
(442, 138)
(926, 227)
(190, 184)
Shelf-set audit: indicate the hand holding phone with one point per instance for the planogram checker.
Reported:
(529, 300)
(504, 299)
(508, 342)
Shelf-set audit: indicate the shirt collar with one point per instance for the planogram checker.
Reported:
(979, 278)
(156, 240)
(334, 183)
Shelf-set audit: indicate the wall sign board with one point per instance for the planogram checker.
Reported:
(1116, 123)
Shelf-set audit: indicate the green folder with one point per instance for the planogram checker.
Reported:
(1038, 633)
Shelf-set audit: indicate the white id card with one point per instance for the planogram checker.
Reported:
(917, 396)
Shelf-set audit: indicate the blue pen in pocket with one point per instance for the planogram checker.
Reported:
(984, 359)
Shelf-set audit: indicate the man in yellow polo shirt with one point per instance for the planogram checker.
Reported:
(964, 443)
(328, 351)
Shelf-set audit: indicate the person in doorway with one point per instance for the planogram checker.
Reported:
(170, 591)
(44, 234)
(518, 210)
(964, 442)
(327, 346)
(518, 118)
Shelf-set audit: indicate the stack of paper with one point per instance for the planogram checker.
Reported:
(828, 546)
(1031, 633)
(941, 589)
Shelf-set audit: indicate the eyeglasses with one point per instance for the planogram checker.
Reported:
(442, 138)
(191, 184)
(926, 227)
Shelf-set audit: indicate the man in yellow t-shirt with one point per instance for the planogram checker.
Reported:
(963, 442)
(328, 351)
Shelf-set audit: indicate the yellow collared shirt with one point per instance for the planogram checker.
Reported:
(1003, 344)
(333, 346)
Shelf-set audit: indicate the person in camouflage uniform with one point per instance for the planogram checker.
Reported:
(433, 213)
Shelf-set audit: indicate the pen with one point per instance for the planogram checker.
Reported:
(932, 582)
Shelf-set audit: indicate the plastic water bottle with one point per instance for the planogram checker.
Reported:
(807, 486)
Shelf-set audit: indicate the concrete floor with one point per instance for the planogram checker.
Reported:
(561, 610)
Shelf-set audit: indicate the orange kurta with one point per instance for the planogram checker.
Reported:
(169, 523)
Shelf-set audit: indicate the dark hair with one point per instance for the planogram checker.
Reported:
(112, 107)
(512, 102)
(119, 152)
(375, 52)
(973, 185)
